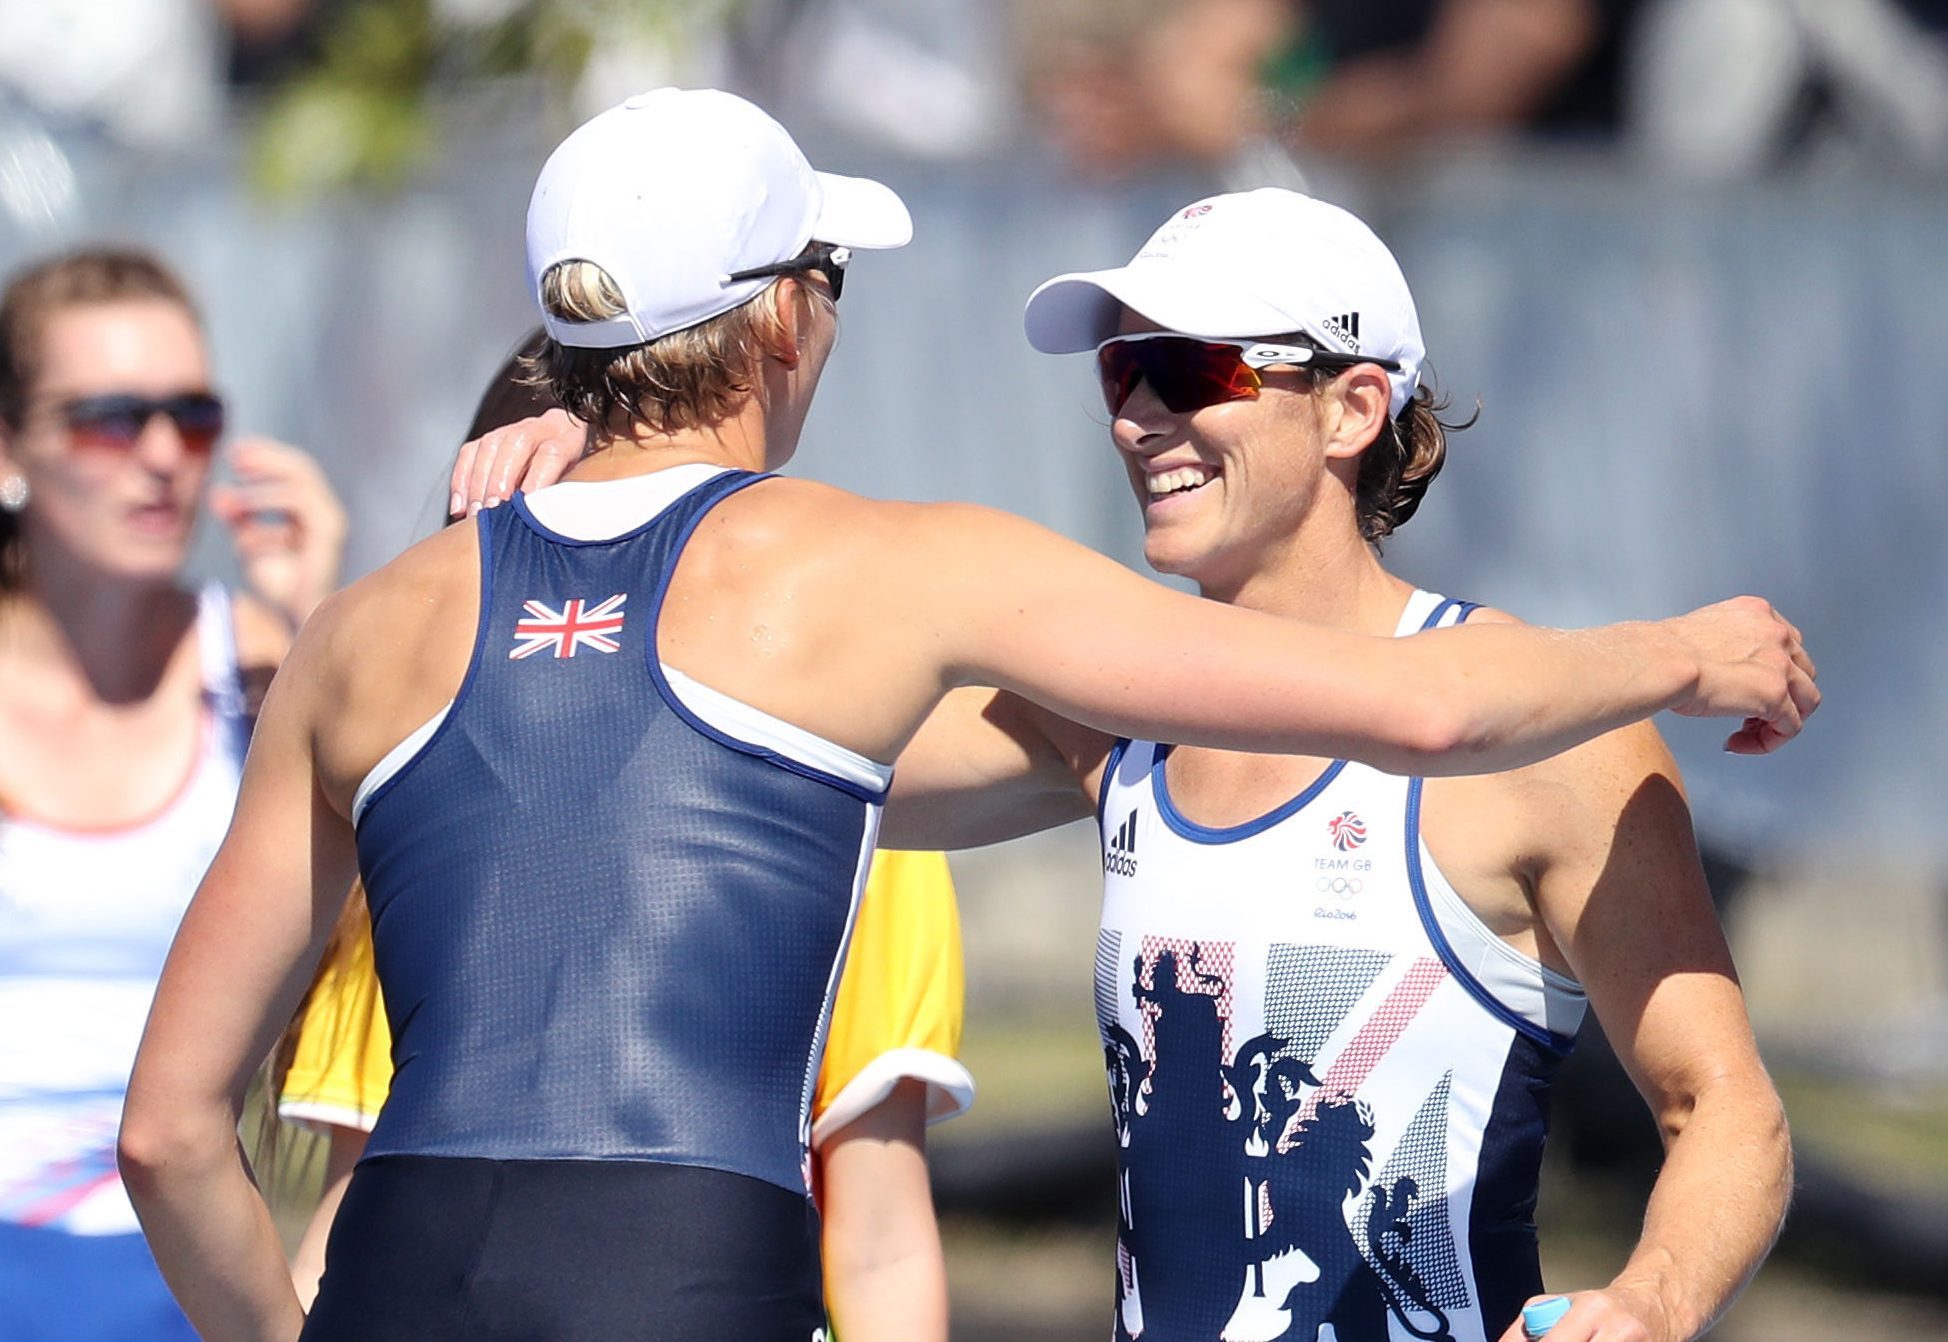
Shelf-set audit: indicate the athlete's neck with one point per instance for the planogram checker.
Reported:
(643, 452)
(759, 434)
(1323, 574)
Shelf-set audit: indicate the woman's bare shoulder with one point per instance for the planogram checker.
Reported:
(1490, 615)
(398, 604)
(816, 523)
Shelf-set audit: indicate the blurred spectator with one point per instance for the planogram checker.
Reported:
(146, 73)
(1124, 86)
(1397, 73)
(1727, 87)
(125, 703)
(924, 77)
(269, 39)
(1199, 79)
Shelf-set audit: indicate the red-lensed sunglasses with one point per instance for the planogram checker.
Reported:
(1188, 373)
(115, 420)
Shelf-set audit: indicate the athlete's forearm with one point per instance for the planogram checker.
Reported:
(211, 1234)
(1461, 701)
(885, 1280)
(983, 769)
(1518, 694)
(900, 1297)
(1716, 1208)
(1078, 634)
(308, 1259)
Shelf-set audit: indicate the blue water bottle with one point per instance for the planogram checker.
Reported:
(1539, 1318)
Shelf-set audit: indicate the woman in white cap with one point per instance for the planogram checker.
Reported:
(610, 765)
(1332, 999)
(890, 1067)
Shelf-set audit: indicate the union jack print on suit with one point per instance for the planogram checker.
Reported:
(576, 625)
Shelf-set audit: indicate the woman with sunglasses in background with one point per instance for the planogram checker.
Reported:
(125, 702)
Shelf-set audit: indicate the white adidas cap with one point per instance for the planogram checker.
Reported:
(674, 191)
(1255, 263)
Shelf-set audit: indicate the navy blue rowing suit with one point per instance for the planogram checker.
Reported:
(609, 909)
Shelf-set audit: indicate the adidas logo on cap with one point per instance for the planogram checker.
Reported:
(1347, 327)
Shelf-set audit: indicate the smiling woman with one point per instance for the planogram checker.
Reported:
(1340, 1090)
(123, 713)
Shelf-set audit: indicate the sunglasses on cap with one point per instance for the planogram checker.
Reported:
(116, 420)
(1188, 373)
(826, 259)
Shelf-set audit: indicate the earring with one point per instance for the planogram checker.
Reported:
(13, 493)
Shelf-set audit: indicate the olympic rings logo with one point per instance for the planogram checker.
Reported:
(1344, 886)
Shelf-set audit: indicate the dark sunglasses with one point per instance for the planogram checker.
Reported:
(826, 259)
(116, 420)
(1188, 373)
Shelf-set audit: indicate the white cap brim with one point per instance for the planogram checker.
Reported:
(1078, 311)
(859, 212)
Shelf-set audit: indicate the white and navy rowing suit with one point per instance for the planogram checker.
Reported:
(1329, 1078)
(86, 919)
(609, 910)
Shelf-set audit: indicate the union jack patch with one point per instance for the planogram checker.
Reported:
(576, 625)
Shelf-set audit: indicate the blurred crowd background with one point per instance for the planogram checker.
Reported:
(1690, 256)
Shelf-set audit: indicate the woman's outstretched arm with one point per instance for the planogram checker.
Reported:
(1065, 627)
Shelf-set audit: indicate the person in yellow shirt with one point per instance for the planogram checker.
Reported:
(889, 1071)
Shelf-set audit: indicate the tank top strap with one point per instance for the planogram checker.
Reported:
(658, 538)
(1430, 610)
(1127, 767)
(222, 678)
(1424, 610)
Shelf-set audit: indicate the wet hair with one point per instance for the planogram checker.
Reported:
(30, 299)
(1403, 458)
(1399, 465)
(688, 379)
(515, 392)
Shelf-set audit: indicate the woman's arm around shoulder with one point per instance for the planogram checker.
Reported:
(1013, 605)
(988, 765)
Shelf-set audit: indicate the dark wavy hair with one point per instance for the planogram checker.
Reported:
(1402, 461)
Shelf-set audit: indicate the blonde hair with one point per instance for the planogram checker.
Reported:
(688, 379)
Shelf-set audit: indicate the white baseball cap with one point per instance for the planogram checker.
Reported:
(675, 191)
(1255, 263)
